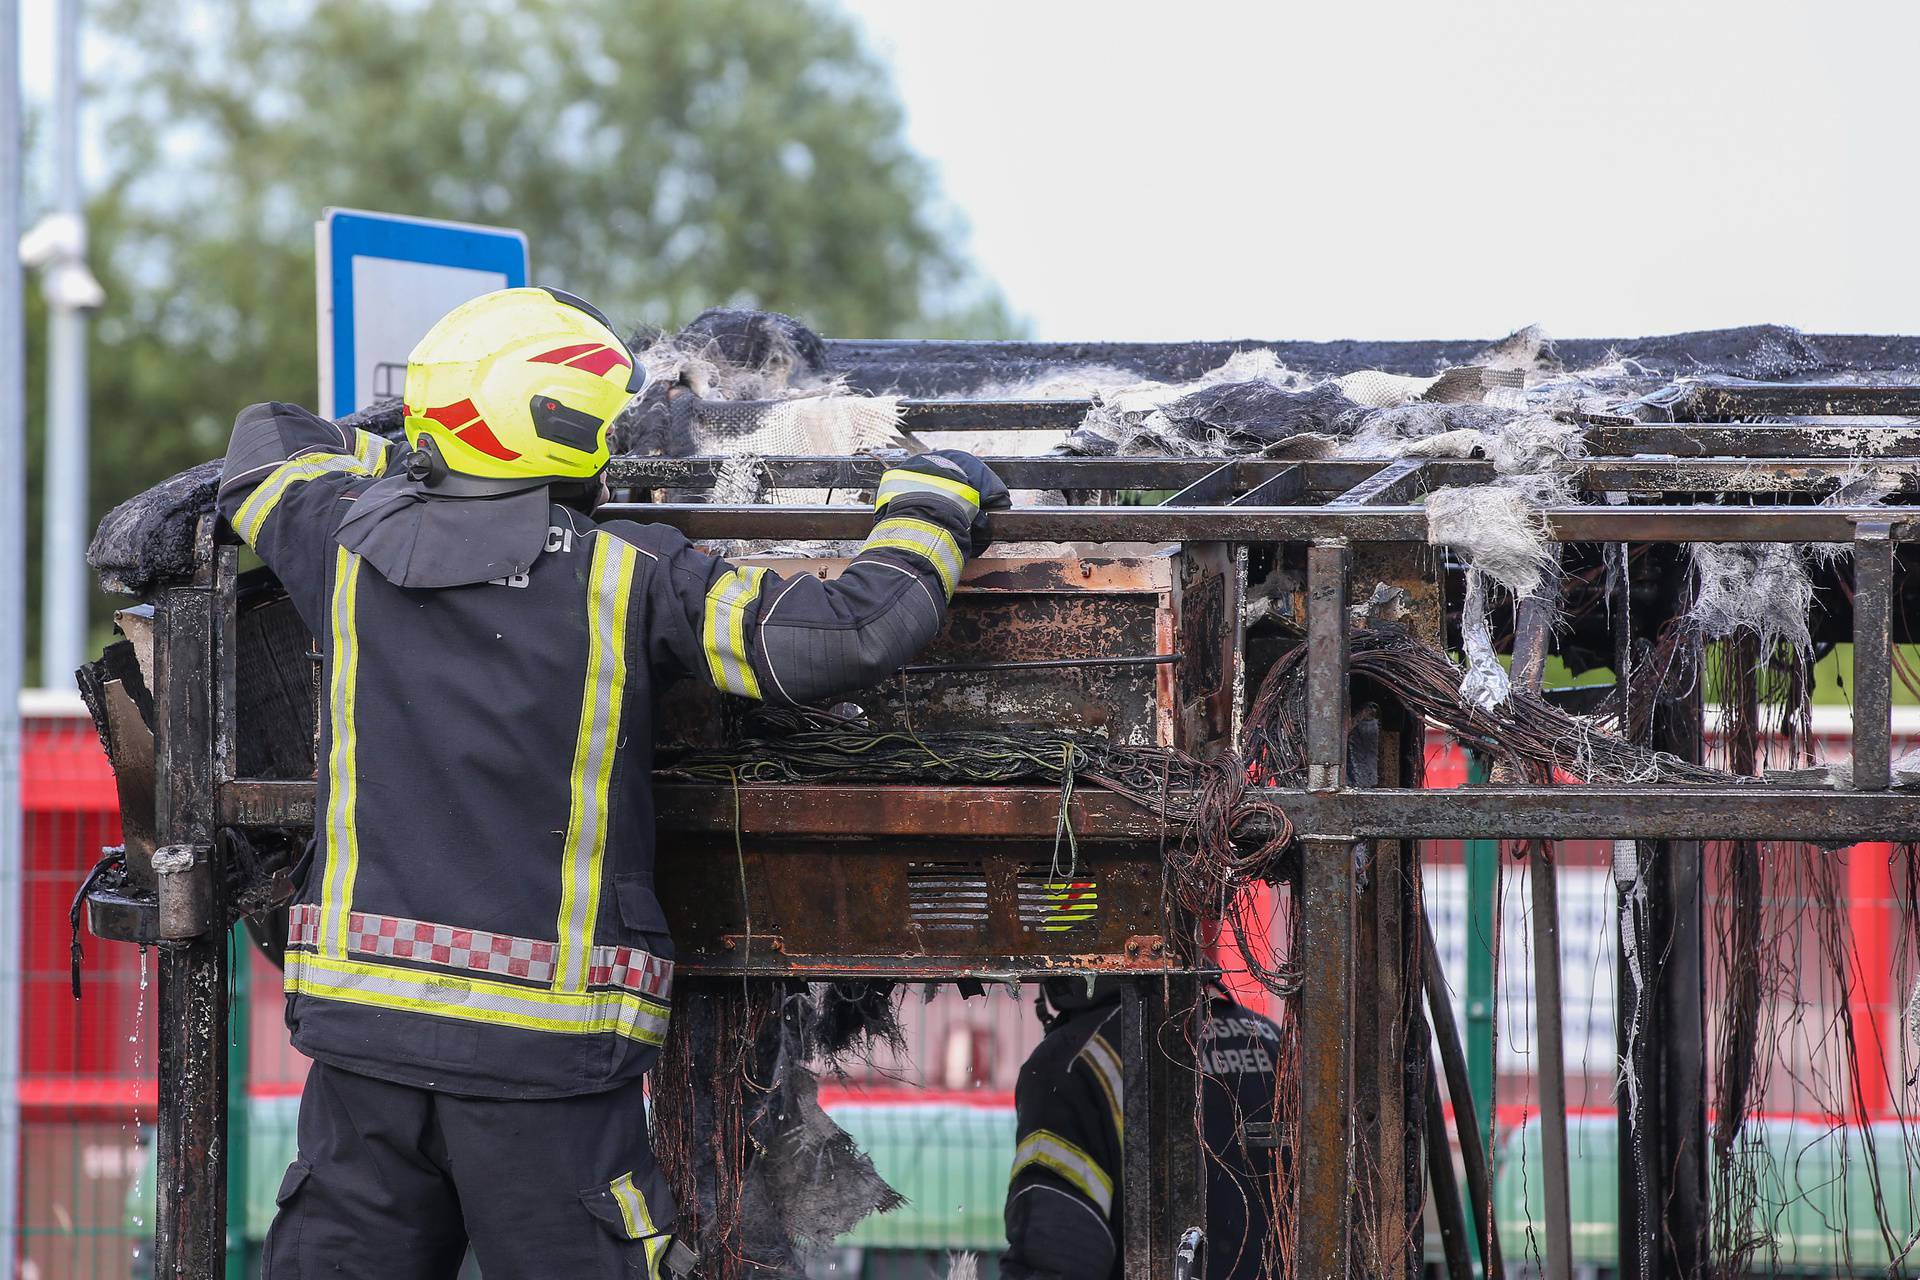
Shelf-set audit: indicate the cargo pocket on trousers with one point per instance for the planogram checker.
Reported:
(297, 1173)
(640, 910)
(640, 1210)
(280, 1253)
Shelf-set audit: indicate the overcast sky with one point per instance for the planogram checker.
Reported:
(1401, 168)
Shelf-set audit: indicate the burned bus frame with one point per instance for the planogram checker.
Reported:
(1360, 1025)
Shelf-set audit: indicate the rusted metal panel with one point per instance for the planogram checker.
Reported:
(931, 906)
(1203, 624)
(1130, 620)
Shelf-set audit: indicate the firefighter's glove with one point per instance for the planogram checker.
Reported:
(954, 473)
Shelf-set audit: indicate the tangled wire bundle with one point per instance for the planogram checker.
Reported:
(1525, 730)
(1232, 834)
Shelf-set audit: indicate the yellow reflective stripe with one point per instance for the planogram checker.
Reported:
(639, 1221)
(1107, 1070)
(343, 838)
(251, 518)
(923, 539)
(386, 986)
(371, 450)
(1055, 1154)
(610, 580)
(724, 634)
(895, 483)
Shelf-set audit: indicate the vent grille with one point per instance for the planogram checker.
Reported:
(947, 895)
(1050, 903)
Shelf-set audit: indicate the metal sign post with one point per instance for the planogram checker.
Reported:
(13, 614)
(383, 279)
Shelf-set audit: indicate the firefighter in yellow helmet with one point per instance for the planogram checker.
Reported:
(477, 963)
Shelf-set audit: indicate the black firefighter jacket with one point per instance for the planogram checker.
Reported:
(479, 914)
(1064, 1199)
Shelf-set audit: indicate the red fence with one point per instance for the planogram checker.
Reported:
(88, 1082)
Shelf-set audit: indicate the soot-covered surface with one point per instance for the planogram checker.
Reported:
(1761, 352)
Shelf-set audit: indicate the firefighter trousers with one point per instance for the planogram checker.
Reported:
(395, 1182)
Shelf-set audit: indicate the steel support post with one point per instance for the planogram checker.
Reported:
(1664, 1206)
(1163, 1172)
(13, 625)
(1446, 1188)
(1326, 1167)
(1549, 1047)
(1483, 889)
(1872, 655)
(1326, 1164)
(239, 1119)
(63, 571)
(1466, 1122)
(1390, 1039)
(1533, 627)
(1642, 1180)
(191, 1179)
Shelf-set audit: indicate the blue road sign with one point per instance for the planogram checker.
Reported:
(383, 279)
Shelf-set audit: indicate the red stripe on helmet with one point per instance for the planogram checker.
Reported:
(452, 416)
(470, 428)
(599, 360)
(563, 355)
(481, 437)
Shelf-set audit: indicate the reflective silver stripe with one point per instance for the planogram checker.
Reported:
(611, 576)
(371, 450)
(725, 631)
(1106, 1065)
(1055, 1154)
(476, 999)
(251, 518)
(633, 1210)
(343, 838)
(922, 538)
(895, 484)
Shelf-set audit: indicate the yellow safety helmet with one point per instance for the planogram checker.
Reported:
(514, 388)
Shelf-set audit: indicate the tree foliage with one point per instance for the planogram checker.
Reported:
(662, 155)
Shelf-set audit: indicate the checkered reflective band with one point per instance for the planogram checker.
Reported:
(478, 951)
